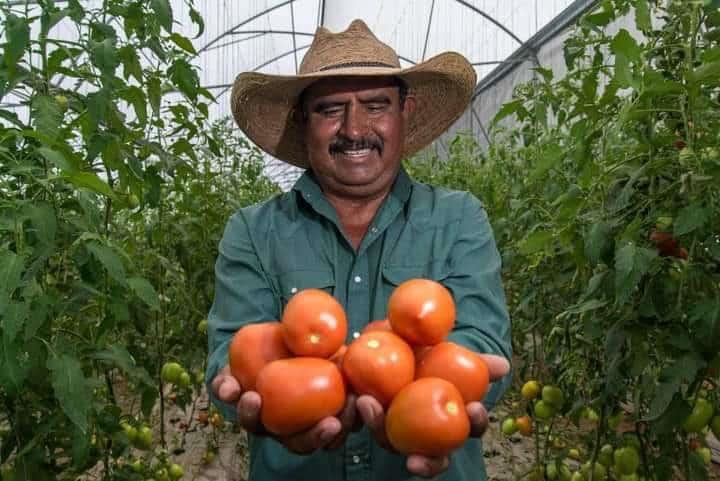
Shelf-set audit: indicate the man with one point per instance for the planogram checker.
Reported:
(356, 226)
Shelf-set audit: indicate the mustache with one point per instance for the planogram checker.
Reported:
(342, 144)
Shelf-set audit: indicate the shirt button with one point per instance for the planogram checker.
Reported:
(374, 229)
(358, 279)
(356, 459)
(356, 335)
(293, 290)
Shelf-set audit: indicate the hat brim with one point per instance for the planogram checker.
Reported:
(263, 105)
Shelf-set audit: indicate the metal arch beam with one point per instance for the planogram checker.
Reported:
(491, 19)
(244, 22)
(427, 33)
(256, 34)
(321, 13)
(292, 26)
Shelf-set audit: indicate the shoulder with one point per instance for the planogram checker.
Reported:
(443, 205)
(262, 217)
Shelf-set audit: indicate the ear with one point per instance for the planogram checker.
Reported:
(409, 107)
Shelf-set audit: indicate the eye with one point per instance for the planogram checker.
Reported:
(376, 107)
(332, 111)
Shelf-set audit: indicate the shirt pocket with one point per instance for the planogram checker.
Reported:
(394, 275)
(291, 282)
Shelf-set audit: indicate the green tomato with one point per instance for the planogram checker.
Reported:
(7, 473)
(171, 372)
(184, 381)
(615, 420)
(138, 466)
(715, 426)
(509, 427)
(162, 475)
(199, 377)
(664, 223)
(591, 415)
(565, 473)
(627, 460)
(543, 410)
(553, 396)
(144, 438)
(130, 431)
(176, 471)
(686, 156)
(133, 201)
(202, 326)
(62, 102)
(605, 456)
(705, 454)
(629, 477)
(209, 457)
(577, 476)
(574, 453)
(699, 417)
(551, 471)
(599, 472)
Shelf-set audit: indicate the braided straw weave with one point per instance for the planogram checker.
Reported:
(263, 105)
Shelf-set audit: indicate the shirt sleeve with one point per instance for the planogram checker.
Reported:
(483, 322)
(243, 295)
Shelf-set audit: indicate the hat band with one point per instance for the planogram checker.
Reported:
(357, 64)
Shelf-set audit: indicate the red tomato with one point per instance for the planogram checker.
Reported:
(421, 311)
(337, 358)
(298, 392)
(314, 324)
(251, 348)
(380, 325)
(427, 417)
(459, 365)
(379, 363)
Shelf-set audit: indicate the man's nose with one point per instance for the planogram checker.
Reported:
(355, 123)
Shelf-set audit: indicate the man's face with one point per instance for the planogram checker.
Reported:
(355, 133)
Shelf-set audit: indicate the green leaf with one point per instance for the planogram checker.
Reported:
(14, 315)
(185, 78)
(17, 34)
(47, 116)
(706, 322)
(691, 218)
(550, 156)
(508, 109)
(136, 97)
(154, 94)
(131, 63)
(14, 365)
(109, 259)
(589, 305)
(535, 242)
(671, 379)
(97, 103)
(602, 16)
(624, 44)
(11, 269)
(121, 358)
(71, 388)
(89, 180)
(598, 241)
(631, 264)
(145, 291)
(164, 13)
(183, 42)
(42, 217)
(707, 73)
(182, 146)
(642, 16)
(197, 20)
(105, 56)
(56, 158)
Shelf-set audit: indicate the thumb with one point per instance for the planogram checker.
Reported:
(498, 366)
(225, 387)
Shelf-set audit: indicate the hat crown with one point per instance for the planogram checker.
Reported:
(356, 46)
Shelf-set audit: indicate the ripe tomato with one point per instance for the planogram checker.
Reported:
(298, 392)
(459, 365)
(379, 363)
(524, 425)
(421, 311)
(427, 417)
(339, 355)
(251, 348)
(314, 324)
(380, 325)
(420, 352)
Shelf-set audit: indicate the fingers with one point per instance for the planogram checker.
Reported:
(479, 418)
(347, 419)
(373, 415)
(498, 366)
(225, 387)
(319, 436)
(427, 467)
(248, 412)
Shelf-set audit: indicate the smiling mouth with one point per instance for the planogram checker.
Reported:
(356, 153)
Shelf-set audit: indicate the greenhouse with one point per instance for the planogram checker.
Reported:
(380, 240)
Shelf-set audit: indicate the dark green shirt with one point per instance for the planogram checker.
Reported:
(294, 241)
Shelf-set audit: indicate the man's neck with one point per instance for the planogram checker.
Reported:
(355, 215)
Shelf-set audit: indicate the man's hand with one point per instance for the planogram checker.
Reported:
(329, 433)
(373, 416)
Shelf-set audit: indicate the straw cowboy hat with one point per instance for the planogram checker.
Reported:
(263, 105)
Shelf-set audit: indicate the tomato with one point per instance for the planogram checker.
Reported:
(530, 390)
(144, 438)
(253, 347)
(605, 456)
(553, 396)
(314, 324)
(459, 365)
(130, 431)
(339, 355)
(427, 417)
(202, 326)
(420, 352)
(298, 392)
(184, 380)
(599, 471)
(421, 311)
(162, 475)
(209, 457)
(705, 454)
(715, 426)
(543, 410)
(138, 466)
(551, 471)
(524, 425)
(574, 453)
(699, 417)
(171, 372)
(380, 325)
(664, 241)
(176, 471)
(614, 420)
(379, 363)
(508, 427)
(216, 420)
(627, 460)
(591, 415)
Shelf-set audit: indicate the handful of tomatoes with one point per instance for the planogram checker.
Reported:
(302, 369)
